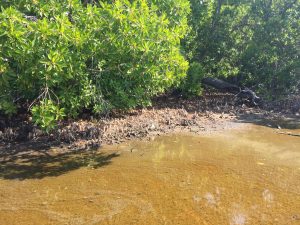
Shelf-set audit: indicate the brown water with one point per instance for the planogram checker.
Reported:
(243, 176)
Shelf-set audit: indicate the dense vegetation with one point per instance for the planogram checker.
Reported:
(255, 42)
(58, 58)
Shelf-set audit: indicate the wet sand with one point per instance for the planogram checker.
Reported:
(247, 175)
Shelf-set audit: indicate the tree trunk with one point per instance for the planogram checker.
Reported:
(244, 95)
(221, 85)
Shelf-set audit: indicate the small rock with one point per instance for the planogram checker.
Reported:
(296, 217)
(133, 150)
(152, 127)
(194, 129)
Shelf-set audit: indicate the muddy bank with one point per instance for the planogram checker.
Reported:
(213, 112)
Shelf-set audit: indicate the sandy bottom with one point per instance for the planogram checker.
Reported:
(249, 175)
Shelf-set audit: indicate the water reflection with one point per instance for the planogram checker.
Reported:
(178, 150)
(268, 196)
(238, 219)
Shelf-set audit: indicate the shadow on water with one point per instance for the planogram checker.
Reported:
(291, 123)
(35, 163)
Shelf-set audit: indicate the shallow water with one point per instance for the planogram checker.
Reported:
(248, 175)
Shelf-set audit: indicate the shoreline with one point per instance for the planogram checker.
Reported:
(168, 115)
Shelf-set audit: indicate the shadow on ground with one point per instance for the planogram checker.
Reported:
(291, 123)
(214, 102)
(39, 163)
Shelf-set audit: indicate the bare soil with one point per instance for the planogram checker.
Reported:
(213, 112)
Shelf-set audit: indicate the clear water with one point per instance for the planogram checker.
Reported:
(243, 176)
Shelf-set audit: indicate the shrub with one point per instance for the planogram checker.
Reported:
(191, 86)
(59, 57)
